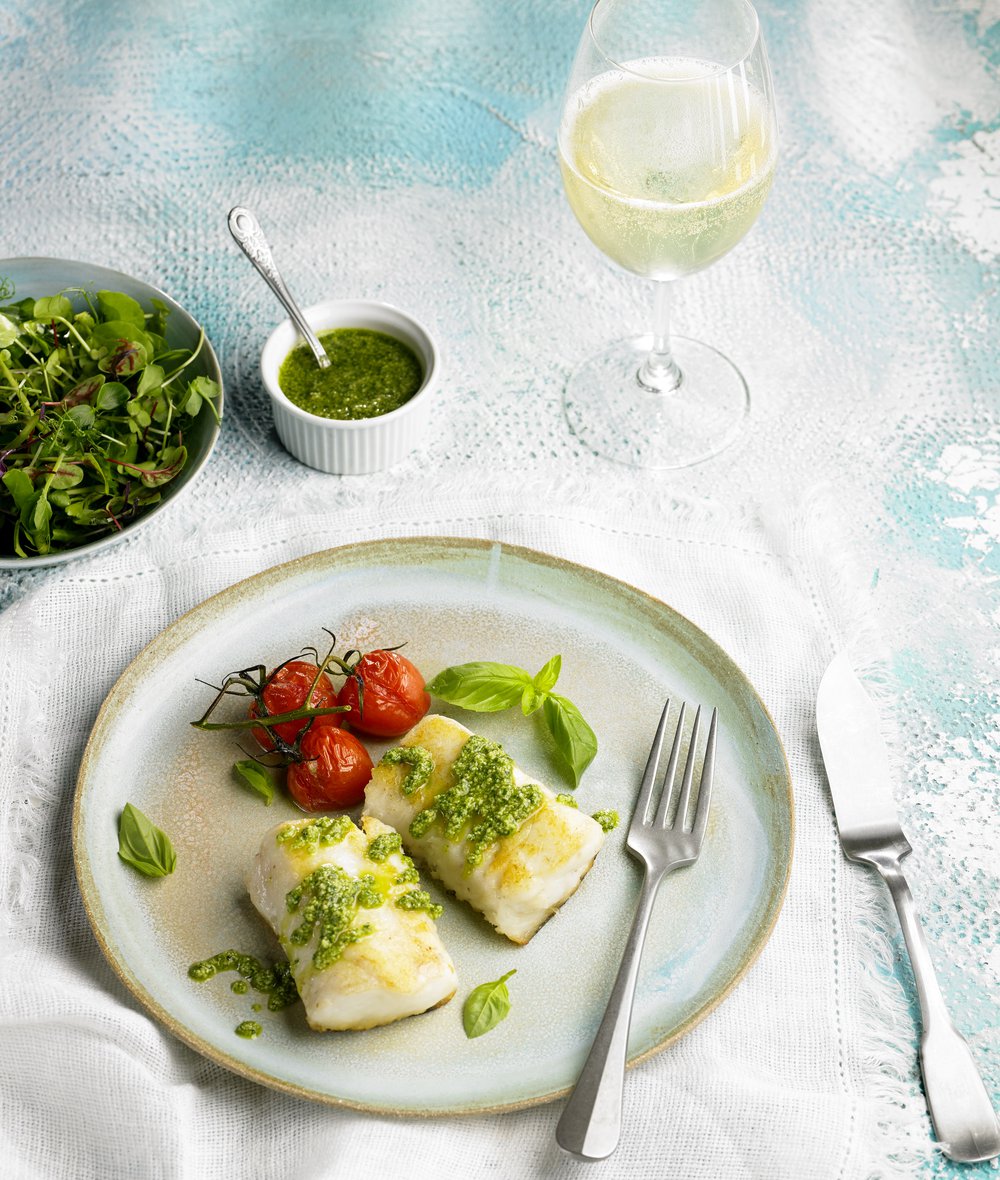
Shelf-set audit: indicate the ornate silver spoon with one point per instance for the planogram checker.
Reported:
(245, 228)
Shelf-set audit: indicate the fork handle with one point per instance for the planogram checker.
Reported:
(964, 1120)
(591, 1123)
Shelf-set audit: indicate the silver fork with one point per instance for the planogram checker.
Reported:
(591, 1123)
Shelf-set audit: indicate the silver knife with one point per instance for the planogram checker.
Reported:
(857, 766)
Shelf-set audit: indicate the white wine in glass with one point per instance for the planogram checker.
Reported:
(667, 149)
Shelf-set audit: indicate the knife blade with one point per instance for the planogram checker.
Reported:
(857, 767)
(857, 763)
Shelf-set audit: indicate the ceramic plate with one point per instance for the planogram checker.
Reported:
(37, 277)
(450, 601)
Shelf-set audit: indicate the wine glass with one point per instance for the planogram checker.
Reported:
(667, 148)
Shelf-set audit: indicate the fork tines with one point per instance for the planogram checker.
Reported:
(682, 820)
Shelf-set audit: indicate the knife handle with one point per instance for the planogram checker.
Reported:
(964, 1121)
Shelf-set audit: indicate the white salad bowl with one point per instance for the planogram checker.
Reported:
(359, 445)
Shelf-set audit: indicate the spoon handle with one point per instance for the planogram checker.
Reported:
(246, 230)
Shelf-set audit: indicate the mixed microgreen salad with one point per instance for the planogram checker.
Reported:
(94, 405)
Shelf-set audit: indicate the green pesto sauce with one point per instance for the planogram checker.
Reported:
(248, 1029)
(483, 805)
(568, 800)
(370, 374)
(384, 846)
(420, 760)
(274, 981)
(317, 833)
(408, 874)
(607, 819)
(327, 901)
(419, 899)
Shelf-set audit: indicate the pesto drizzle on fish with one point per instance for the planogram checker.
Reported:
(318, 833)
(420, 760)
(327, 901)
(484, 803)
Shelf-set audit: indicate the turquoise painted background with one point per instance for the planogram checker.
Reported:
(407, 151)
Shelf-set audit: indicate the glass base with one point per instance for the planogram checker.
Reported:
(612, 413)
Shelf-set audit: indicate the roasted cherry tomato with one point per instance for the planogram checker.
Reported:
(394, 698)
(333, 773)
(287, 692)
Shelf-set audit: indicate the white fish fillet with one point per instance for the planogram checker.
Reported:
(399, 970)
(523, 878)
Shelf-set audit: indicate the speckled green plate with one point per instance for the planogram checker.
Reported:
(451, 601)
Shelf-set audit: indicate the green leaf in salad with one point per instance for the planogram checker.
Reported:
(94, 407)
(115, 305)
(158, 319)
(20, 487)
(143, 845)
(66, 475)
(52, 307)
(485, 1006)
(110, 395)
(152, 378)
(200, 390)
(156, 472)
(9, 331)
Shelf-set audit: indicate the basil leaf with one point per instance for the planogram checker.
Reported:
(531, 699)
(256, 778)
(142, 844)
(545, 678)
(486, 1006)
(574, 738)
(482, 686)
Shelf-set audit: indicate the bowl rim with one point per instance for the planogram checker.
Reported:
(269, 374)
(191, 473)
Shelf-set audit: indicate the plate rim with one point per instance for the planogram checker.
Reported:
(86, 881)
(49, 559)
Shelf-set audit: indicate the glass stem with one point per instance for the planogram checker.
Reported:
(659, 372)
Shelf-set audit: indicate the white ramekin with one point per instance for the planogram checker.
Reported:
(355, 446)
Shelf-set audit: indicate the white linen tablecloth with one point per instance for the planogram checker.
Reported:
(807, 1070)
